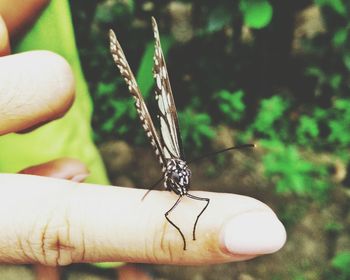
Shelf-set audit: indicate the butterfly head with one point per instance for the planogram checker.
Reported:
(177, 176)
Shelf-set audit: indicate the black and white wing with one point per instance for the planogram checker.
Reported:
(169, 125)
(146, 120)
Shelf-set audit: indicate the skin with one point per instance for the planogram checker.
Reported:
(20, 14)
(54, 221)
(64, 168)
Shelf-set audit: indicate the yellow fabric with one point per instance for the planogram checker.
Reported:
(69, 136)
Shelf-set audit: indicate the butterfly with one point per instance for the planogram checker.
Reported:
(168, 144)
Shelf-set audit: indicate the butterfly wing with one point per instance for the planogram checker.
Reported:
(146, 120)
(169, 125)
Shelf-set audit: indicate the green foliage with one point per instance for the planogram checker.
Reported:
(307, 130)
(195, 128)
(116, 109)
(292, 173)
(231, 104)
(334, 227)
(270, 117)
(108, 11)
(340, 123)
(337, 5)
(256, 13)
(271, 110)
(336, 120)
(218, 18)
(340, 37)
(283, 163)
(341, 263)
(324, 80)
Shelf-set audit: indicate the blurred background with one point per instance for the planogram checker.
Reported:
(274, 73)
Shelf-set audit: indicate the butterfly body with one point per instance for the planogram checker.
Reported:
(177, 176)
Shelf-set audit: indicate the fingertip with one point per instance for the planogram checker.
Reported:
(60, 84)
(35, 87)
(253, 233)
(232, 228)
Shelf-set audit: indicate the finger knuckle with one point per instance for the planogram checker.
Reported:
(50, 242)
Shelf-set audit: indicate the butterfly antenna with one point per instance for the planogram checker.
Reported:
(156, 184)
(224, 150)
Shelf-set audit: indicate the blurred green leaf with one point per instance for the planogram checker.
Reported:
(108, 125)
(339, 122)
(307, 130)
(342, 104)
(218, 18)
(320, 113)
(338, 132)
(256, 13)
(105, 89)
(231, 104)
(314, 71)
(291, 172)
(107, 11)
(271, 110)
(340, 37)
(341, 262)
(337, 5)
(195, 127)
(346, 60)
(334, 226)
(335, 81)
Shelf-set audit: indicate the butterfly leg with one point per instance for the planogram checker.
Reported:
(175, 226)
(205, 207)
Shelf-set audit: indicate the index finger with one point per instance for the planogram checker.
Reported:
(65, 222)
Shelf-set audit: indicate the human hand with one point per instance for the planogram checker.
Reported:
(58, 222)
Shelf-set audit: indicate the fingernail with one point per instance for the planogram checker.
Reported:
(253, 233)
(80, 177)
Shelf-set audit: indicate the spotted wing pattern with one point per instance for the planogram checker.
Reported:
(169, 125)
(146, 120)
